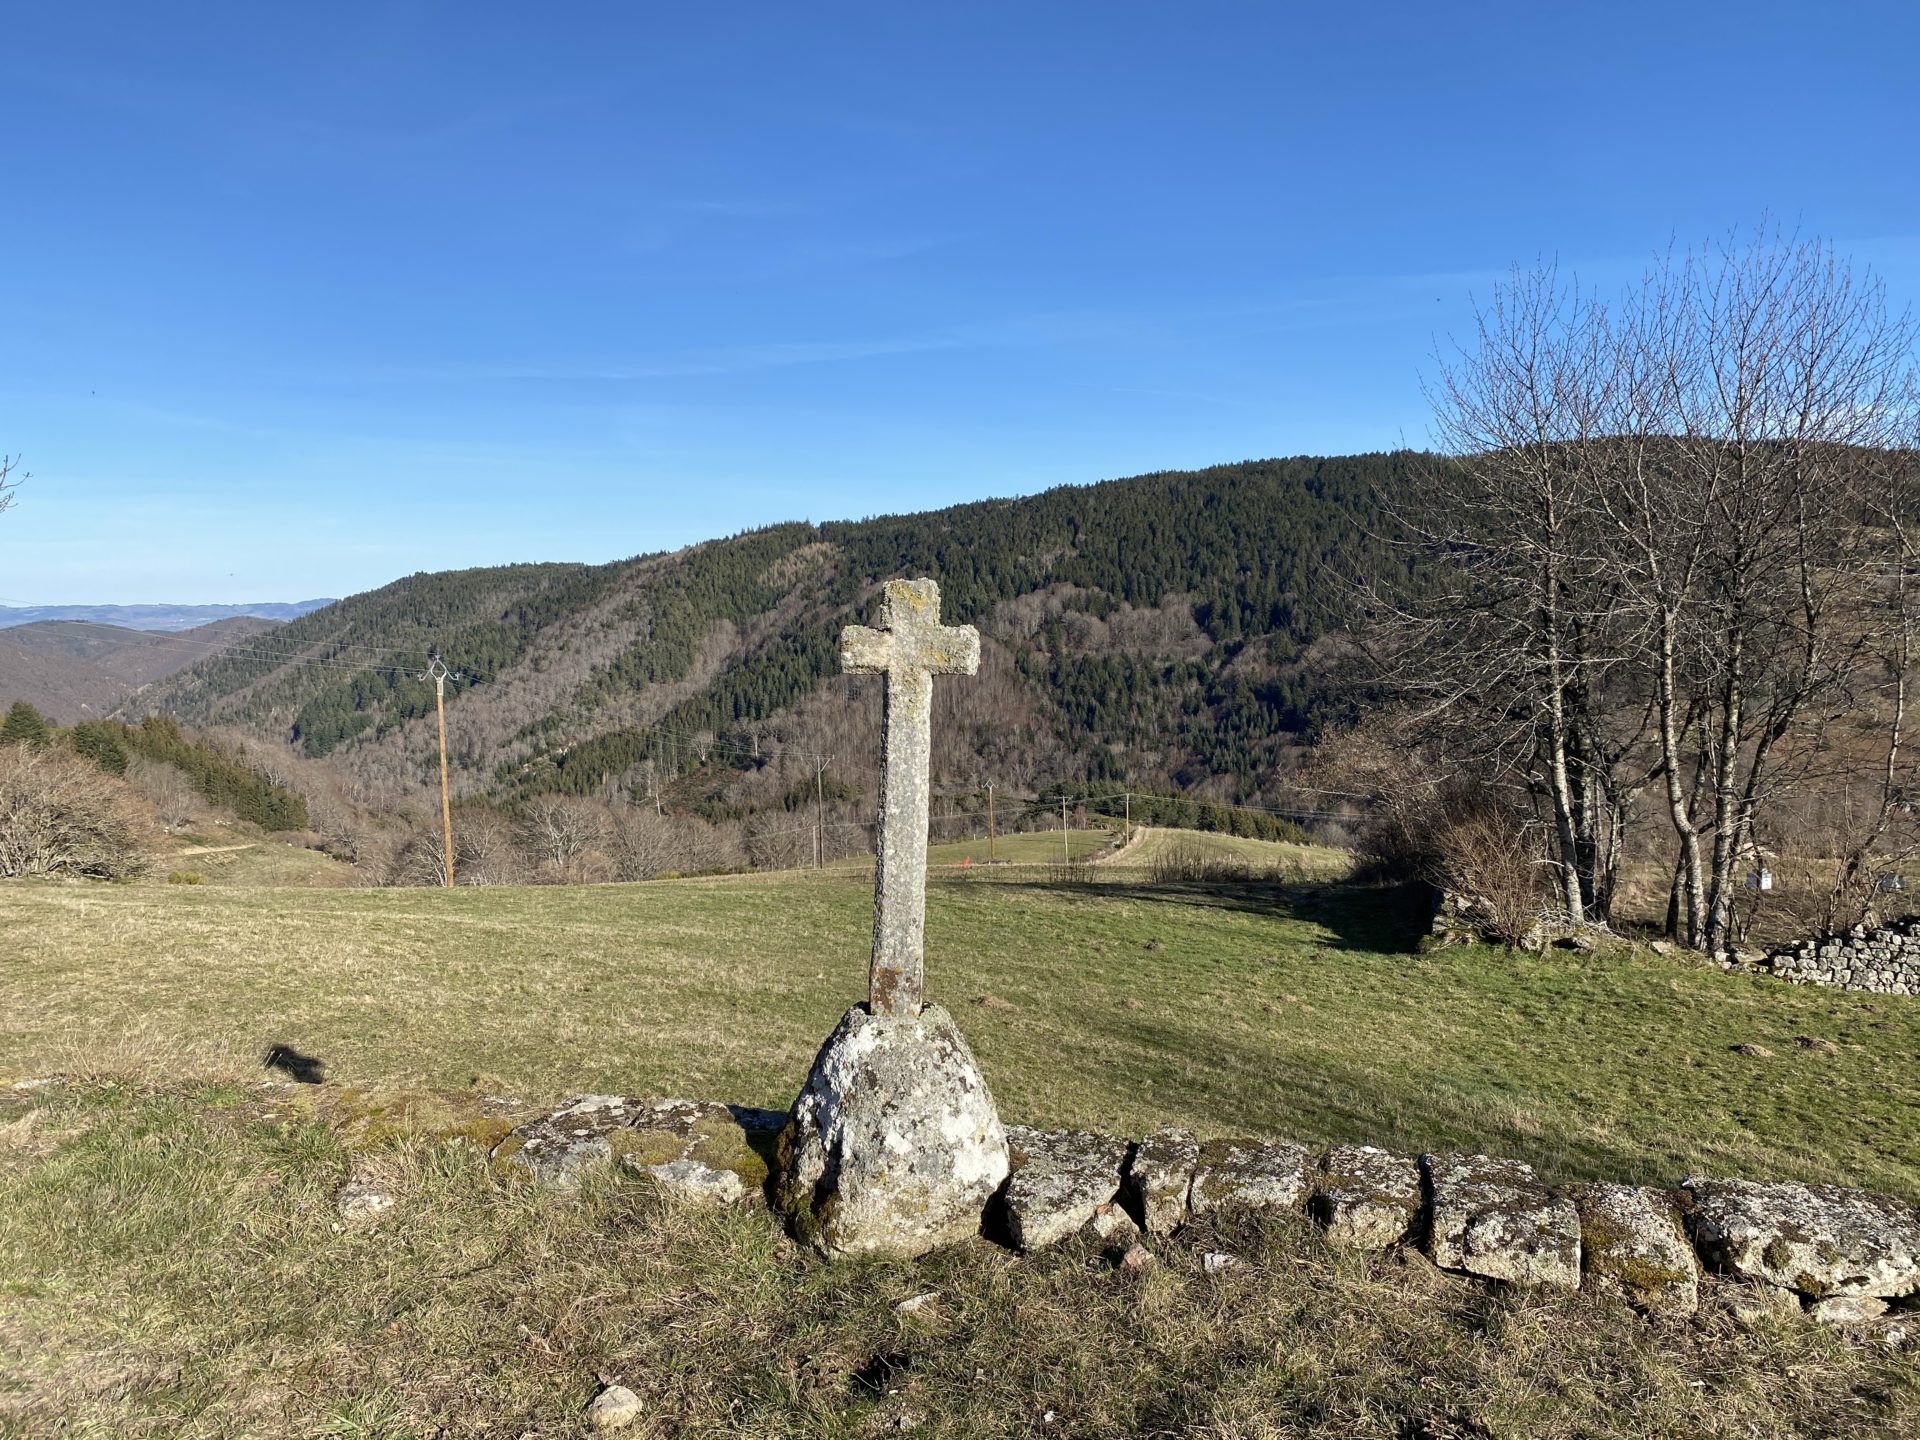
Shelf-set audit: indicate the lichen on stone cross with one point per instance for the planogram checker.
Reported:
(909, 647)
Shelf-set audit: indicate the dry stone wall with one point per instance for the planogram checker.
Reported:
(1841, 1256)
(1883, 959)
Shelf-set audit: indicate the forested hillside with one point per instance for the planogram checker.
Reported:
(1162, 631)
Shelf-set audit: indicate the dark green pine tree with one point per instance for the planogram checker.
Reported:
(95, 740)
(23, 725)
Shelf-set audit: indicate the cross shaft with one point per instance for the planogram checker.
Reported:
(909, 647)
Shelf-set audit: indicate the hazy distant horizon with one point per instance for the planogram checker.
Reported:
(159, 615)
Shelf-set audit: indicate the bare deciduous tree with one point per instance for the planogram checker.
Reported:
(1651, 548)
(166, 787)
(557, 829)
(62, 815)
(9, 479)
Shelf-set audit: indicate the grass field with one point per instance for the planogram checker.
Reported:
(1260, 857)
(171, 1263)
(1126, 1005)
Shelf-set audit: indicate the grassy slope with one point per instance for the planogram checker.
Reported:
(171, 1268)
(1260, 856)
(1131, 1006)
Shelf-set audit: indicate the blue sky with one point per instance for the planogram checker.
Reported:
(298, 299)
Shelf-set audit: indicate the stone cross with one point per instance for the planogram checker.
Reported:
(910, 648)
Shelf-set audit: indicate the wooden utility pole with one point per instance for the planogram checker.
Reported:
(437, 672)
(990, 831)
(1126, 827)
(820, 764)
(1066, 854)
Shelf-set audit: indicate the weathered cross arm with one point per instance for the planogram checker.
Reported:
(910, 646)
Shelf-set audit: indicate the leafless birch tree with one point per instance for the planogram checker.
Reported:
(1652, 550)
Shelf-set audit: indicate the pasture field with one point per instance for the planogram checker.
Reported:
(1289, 1010)
(1158, 845)
(172, 1264)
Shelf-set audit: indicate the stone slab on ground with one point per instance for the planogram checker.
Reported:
(1848, 1312)
(893, 1146)
(1061, 1181)
(694, 1150)
(1366, 1197)
(1822, 1241)
(1250, 1175)
(1633, 1247)
(1493, 1218)
(1158, 1179)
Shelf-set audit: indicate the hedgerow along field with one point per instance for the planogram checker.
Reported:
(171, 1262)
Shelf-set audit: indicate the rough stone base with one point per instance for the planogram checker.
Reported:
(893, 1146)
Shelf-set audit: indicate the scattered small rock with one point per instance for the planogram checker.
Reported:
(1753, 1304)
(1814, 1042)
(362, 1200)
(1214, 1261)
(1661, 947)
(614, 1408)
(1137, 1260)
(1153, 945)
(994, 1002)
(1580, 944)
(1132, 1004)
(1747, 1047)
(1112, 1226)
(914, 1304)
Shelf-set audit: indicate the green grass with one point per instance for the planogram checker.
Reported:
(1038, 847)
(239, 861)
(171, 1264)
(172, 1268)
(1232, 1011)
(1260, 857)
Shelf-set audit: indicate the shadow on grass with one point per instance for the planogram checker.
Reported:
(1378, 919)
(301, 1069)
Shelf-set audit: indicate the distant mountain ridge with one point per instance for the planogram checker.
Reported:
(1174, 630)
(157, 617)
(72, 670)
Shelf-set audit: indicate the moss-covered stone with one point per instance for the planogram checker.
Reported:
(1819, 1240)
(696, 1150)
(1632, 1247)
(369, 1118)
